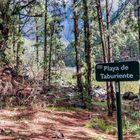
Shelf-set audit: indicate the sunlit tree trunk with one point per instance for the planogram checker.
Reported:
(18, 48)
(37, 44)
(87, 48)
(77, 49)
(107, 54)
(14, 44)
(45, 42)
(4, 31)
(50, 53)
(109, 46)
(101, 28)
(138, 3)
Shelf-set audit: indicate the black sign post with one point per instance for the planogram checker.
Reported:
(119, 71)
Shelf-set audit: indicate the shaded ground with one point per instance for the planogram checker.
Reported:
(38, 123)
(44, 124)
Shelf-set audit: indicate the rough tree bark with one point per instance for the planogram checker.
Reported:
(45, 42)
(109, 86)
(138, 3)
(77, 49)
(50, 53)
(87, 47)
(109, 46)
(101, 28)
(18, 48)
(14, 43)
(37, 41)
(4, 28)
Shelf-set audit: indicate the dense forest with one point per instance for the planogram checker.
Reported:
(49, 50)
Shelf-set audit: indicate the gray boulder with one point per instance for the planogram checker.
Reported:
(99, 92)
(129, 96)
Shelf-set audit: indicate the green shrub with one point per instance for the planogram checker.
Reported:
(129, 86)
(134, 129)
(99, 103)
(111, 130)
(101, 124)
(89, 124)
(131, 128)
(135, 115)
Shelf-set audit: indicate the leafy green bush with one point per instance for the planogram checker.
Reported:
(129, 86)
(131, 128)
(101, 124)
(135, 115)
(100, 104)
(111, 130)
(89, 124)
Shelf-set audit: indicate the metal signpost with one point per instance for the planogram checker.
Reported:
(119, 110)
(119, 71)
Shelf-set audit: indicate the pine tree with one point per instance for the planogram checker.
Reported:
(45, 41)
(77, 49)
(87, 47)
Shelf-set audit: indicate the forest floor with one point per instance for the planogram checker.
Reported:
(46, 124)
(28, 123)
(53, 113)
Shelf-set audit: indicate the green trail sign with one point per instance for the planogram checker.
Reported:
(120, 71)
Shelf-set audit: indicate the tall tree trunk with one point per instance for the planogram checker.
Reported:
(18, 49)
(37, 44)
(77, 49)
(13, 43)
(50, 53)
(109, 46)
(45, 42)
(87, 48)
(4, 28)
(101, 28)
(109, 86)
(17, 57)
(138, 3)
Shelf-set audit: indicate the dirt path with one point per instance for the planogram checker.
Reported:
(44, 124)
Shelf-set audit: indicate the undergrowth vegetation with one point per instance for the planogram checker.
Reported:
(129, 126)
(99, 123)
(68, 76)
